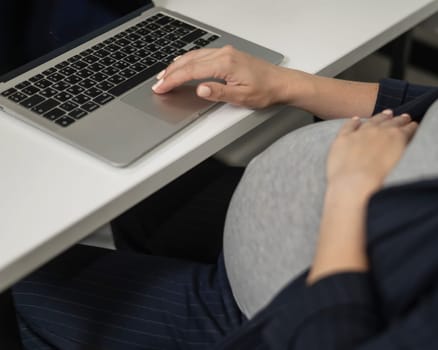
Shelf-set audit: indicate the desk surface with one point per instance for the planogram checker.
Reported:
(52, 195)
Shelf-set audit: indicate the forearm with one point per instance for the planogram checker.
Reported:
(341, 245)
(328, 98)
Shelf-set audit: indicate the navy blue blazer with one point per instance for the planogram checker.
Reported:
(395, 304)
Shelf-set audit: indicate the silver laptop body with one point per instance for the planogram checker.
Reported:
(134, 121)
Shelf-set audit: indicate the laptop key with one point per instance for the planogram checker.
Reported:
(75, 90)
(138, 67)
(178, 44)
(132, 59)
(49, 92)
(43, 83)
(77, 113)
(142, 53)
(159, 55)
(98, 46)
(93, 92)
(105, 85)
(17, 97)
(79, 65)
(67, 71)
(121, 65)
(68, 106)
(55, 77)
(110, 71)
(74, 58)
(9, 92)
(49, 71)
(104, 98)
(65, 121)
(61, 86)
(45, 106)
(149, 39)
(54, 114)
(99, 77)
(193, 36)
(149, 61)
(62, 65)
(85, 73)
(164, 20)
(86, 53)
(108, 61)
(90, 59)
(139, 44)
(128, 49)
(118, 55)
(63, 96)
(73, 79)
(81, 99)
(168, 29)
(201, 42)
(112, 48)
(22, 85)
(137, 79)
(127, 73)
(30, 90)
(172, 37)
(162, 42)
(35, 78)
(90, 106)
(102, 53)
(96, 67)
(212, 38)
(122, 42)
(169, 50)
(32, 101)
(116, 79)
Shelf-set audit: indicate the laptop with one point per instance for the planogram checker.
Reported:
(82, 71)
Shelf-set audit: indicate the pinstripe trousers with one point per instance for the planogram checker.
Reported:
(92, 298)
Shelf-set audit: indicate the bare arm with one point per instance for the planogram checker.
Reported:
(330, 98)
(254, 83)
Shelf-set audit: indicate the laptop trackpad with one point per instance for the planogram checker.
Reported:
(176, 106)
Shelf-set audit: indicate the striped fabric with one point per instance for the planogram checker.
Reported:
(91, 298)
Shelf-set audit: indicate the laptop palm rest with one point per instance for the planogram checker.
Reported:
(179, 105)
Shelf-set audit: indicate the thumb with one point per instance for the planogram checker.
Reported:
(219, 92)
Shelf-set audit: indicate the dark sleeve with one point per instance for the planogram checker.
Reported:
(394, 93)
(337, 313)
(403, 97)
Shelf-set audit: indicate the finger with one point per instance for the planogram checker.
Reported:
(191, 71)
(350, 125)
(397, 121)
(222, 93)
(184, 59)
(379, 118)
(410, 129)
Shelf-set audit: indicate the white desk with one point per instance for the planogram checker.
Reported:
(52, 195)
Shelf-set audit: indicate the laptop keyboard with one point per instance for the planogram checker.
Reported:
(83, 83)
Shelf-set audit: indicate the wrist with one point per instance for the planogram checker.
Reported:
(358, 188)
(296, 87)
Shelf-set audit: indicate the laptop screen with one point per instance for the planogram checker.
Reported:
(32, 31)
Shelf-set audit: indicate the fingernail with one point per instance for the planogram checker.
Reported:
(176, 58)
(405, 115)
(355, 117)
(387, 112)
(161, 74)
(157, 84)
(204, 91)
